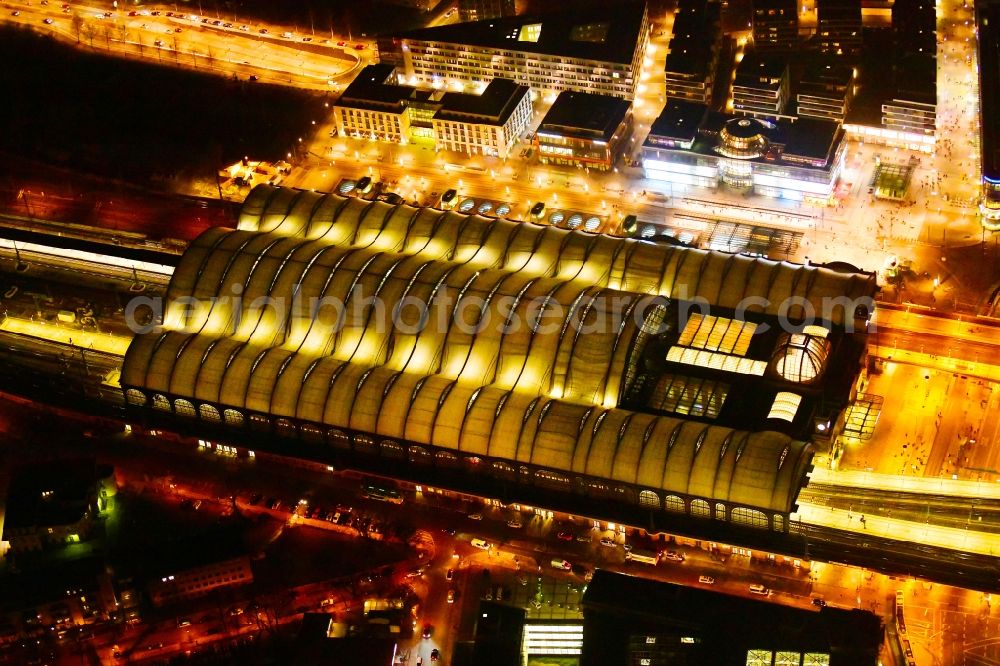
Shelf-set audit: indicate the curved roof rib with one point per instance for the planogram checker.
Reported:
(484, 390)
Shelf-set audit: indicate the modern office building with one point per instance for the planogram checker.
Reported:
(485, 124)
(913, 109)
(775, 25)
(489, 123)
(480, 10)
(596, 49)
(584, 130)
(838, 26)
(693, 51)
(988, 24)
(688, 145)
(604, 420)
(628, 620)
(761, 86)
(826, 90)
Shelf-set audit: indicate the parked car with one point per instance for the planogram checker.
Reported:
(449, 575)
(514, 523)
(757, 588)
(475, 516)
(673, 556)
(818, 602)
(707, 580)
(564, 536)
(610, 543)
(451, 596)
(583, 537)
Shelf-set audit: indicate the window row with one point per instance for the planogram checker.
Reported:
(389, 449)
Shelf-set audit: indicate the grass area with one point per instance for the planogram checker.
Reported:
(136, 121)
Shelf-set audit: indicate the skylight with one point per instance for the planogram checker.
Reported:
(530, 32)
(596, 33)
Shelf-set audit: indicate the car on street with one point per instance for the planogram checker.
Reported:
(522, 578)
(707, 580)
(175, 30)
(450, 531)
(564, 536)
(475, 516)
(514, 523)
(583, 537)
(481, 544)
(307, 39)
(757, 588)
(47, 21)
(341, 43)
(451, 596)
(15, 13)
(427, 631)
(817, 601)
(253, 77)
(263, 31)
(610, 543)
(564, 565)
(435, 654)
(359, 47)
(227, 25)
(673, 556)
(449, 575)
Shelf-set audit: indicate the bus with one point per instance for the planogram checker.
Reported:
(381, 493)
(644, 556)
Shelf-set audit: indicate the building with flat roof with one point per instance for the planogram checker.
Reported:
(688, 145)
(913, 109)
(693, 51)
(480, 10)
(489, 123)
(54, 503)
(988, 25)
(825, 91)
(775, 25)
(485, 124)
(548, 415)
(838, 26)
(596, 49)
(199, 581)
(584, 130)
(630, 620)
(761, 85)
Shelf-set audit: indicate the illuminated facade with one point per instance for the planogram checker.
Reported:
(596, 50)
(775, 25)
(761, 86)
(585, 130)
(509, 393)
(489, 123)
(689, 145)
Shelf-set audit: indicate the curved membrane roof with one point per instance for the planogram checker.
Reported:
(720, 279)
(486, 376)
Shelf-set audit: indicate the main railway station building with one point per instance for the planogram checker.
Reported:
(610, 377)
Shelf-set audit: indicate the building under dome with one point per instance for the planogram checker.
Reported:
(501, 358)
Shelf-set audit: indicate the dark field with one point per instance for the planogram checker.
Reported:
(137, 121)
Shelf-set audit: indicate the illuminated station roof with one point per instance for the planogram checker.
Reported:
(529, 338)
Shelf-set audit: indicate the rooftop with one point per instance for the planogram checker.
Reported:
(916, 78)
(374, 88)
(606, 33)
(679, 120)
(811, 138)
(988, 20)
(585, 115)
(819, 76)
(721, 629)
(494, 105)
(51, 493)
(759, 71)
(690, 57)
